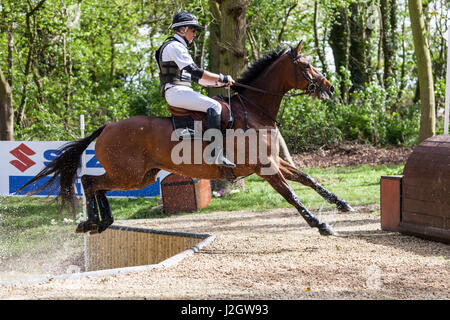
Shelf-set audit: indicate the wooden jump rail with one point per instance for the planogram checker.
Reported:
(122, 246)
(122, 249)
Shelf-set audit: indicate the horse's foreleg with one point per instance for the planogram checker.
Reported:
(279, 183)
(293, 174)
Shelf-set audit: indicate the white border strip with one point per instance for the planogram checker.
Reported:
(169, 262)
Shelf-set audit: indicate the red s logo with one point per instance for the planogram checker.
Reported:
(21, 153)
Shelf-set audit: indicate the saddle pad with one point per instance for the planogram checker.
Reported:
(184, 119)
(187, 126)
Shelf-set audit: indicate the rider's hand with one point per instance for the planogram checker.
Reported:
(226, 80)
(230, 81)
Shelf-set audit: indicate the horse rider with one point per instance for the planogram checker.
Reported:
(177, 69)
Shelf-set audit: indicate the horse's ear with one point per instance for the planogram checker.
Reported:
(299, 47)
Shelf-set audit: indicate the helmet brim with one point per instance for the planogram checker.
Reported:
(198, 27)
(184, 24)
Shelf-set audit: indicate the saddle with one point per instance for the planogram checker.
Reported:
(184, 119)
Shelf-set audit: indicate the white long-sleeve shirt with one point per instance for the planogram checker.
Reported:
(177, 51)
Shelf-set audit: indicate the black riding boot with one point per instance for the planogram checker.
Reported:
(214, 122)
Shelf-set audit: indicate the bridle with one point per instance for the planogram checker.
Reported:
(312, 87)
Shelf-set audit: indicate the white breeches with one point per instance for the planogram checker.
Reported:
(186, 98)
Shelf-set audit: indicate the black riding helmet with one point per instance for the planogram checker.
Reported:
(185, 18)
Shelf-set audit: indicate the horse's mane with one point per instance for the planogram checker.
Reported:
(258, 67)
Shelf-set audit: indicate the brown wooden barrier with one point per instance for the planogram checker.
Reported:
(425, 193)
(119, 247)
(390, 195)
(426, 190)
(184, 194)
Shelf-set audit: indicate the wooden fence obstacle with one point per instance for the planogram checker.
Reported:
(422, 207)
(121, 246)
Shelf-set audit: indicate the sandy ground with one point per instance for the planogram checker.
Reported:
(274, 255)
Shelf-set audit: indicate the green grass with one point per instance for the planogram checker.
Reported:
(31, 222)
(359, 185)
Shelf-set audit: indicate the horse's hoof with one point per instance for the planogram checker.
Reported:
(87, 226)
(326, 230)
(104, 225)
(343, 206)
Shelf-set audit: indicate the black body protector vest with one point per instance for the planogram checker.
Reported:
(169, 71)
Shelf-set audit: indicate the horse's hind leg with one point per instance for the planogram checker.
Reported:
(293, 174)
(95, 188)
(279, 183)
(93, 220)
(105, 210)
(95, 200)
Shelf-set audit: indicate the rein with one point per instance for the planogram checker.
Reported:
(269, 92)
(311, 88)
(240, 96)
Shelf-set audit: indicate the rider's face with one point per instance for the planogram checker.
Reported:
(190, 34)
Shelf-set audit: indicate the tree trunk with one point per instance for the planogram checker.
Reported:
(38, 82)
(339, 42)
(232, 36)
(232, 53)
(6, 111)
(403, 69)
(388, 10)
(214, 39)
(357, 64)
(379, 57)
(320, 49)
(427, 116)
(21, 111)
(112, 60)
(10, 53)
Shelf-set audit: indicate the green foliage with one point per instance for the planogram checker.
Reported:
(100, 64)
(309, 123)
(97, 59)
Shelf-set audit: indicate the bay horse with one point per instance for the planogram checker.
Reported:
(134, 150)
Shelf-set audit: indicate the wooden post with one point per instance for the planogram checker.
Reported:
(390, 197)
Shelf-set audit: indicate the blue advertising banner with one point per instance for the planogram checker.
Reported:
(22, 160)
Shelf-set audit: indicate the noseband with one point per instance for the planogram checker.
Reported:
(313, 85)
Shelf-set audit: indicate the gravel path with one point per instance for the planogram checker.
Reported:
(274, 255)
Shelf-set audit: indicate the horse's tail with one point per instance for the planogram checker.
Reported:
(65, 168)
